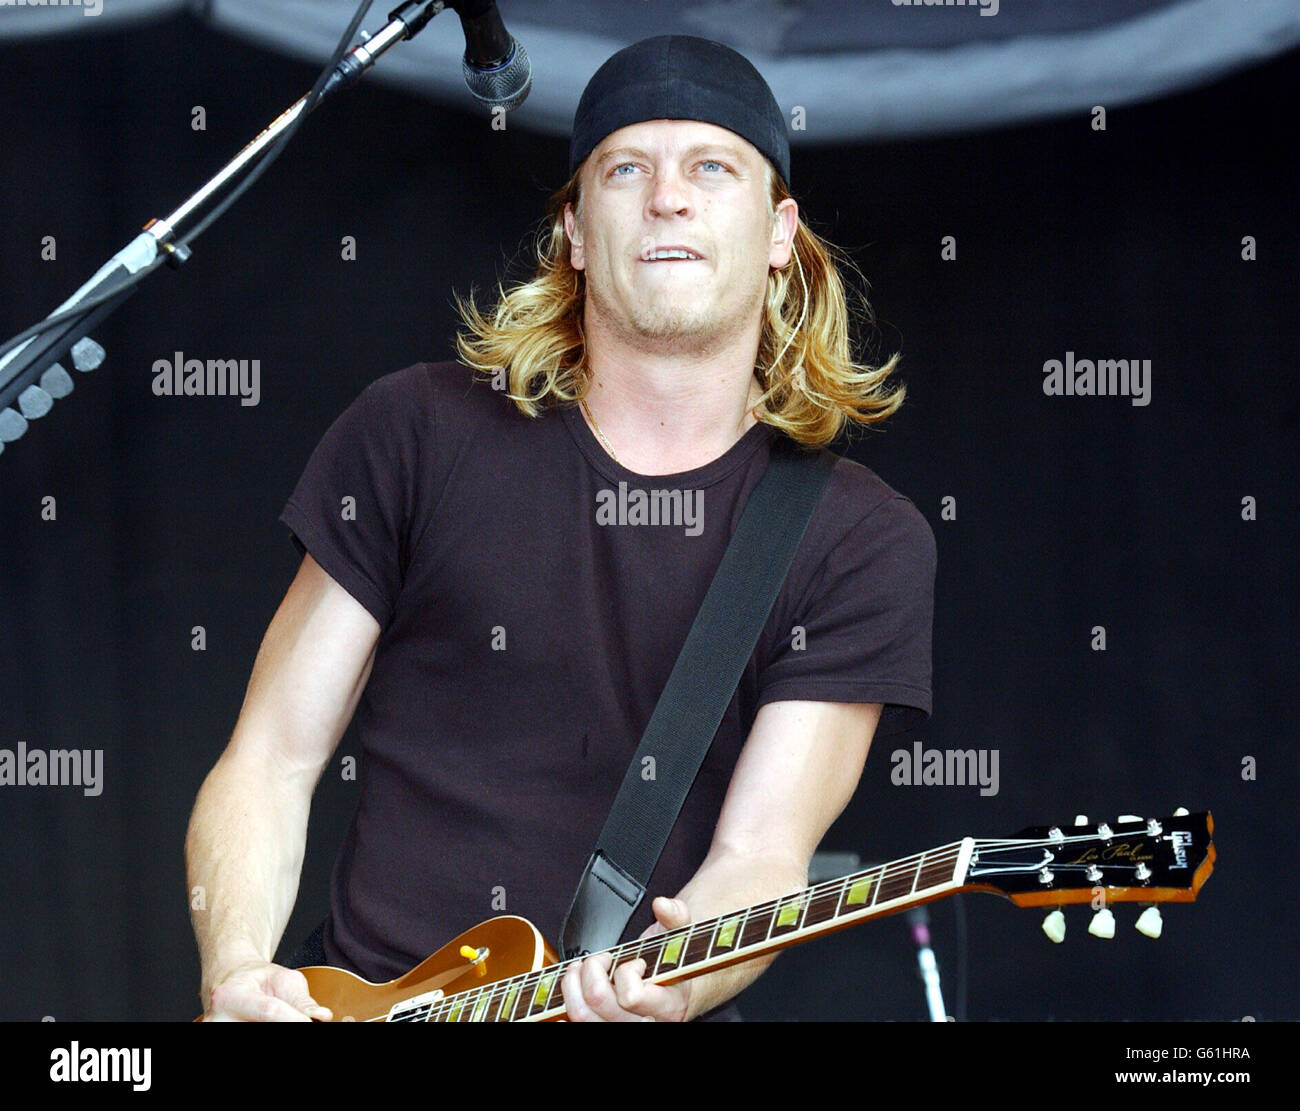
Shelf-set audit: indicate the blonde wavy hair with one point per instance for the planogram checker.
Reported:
(812, 387)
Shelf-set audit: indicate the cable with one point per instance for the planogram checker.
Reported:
(277, 149)
(82, 307)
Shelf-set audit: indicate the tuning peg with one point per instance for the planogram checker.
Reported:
(1181, 812)
(34, 403)
(1129, 818)
(12, 425)
(1081, 819)
(1150, 923)
(86, 354)
(1054, 926)
(1102, 924)
(56, 381)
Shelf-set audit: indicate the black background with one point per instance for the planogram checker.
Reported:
(1072, 512)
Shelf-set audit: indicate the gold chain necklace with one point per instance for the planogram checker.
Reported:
(596, 428)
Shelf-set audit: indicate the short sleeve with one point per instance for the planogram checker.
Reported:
(866, 622)
(353, 506)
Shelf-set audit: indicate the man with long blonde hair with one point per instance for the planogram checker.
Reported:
(502, 556)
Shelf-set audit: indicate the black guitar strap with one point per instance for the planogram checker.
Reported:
(696, 696)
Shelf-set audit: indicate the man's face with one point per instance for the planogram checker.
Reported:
(668, 186)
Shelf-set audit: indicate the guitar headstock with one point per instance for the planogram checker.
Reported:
(1129, 860)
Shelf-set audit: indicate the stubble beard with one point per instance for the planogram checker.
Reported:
(673, 318)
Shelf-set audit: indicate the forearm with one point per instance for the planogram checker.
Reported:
(244, 852)
(728, 882)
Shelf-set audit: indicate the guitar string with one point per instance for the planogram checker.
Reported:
(471, 998)
(632, 950)
(485, 1002)
(485, 998)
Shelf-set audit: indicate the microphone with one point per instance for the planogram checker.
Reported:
(496, 67)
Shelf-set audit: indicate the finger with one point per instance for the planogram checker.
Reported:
(638, 996)
(630, 986)
(599, 992)
(291, 986)
(671, 913)
(248, 1004)
(574, 1003)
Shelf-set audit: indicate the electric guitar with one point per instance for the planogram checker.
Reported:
(503, 970)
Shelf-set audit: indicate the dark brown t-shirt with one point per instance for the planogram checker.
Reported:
(530, 619)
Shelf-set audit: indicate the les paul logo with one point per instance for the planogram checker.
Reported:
(1123, 851)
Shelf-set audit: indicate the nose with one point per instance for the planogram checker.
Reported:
(668, 195)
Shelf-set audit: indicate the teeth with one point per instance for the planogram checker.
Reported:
(674, 254)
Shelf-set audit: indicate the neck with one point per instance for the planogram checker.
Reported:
(664, 411)
(723, 940)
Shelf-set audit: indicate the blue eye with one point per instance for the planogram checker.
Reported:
(711, 162)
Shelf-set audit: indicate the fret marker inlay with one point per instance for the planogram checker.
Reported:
(859, 892)
(543, 992)
(673, 950)
(788, 915)
(727, 933)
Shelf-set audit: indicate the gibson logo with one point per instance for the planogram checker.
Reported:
(1122, 851)
(1179, 840)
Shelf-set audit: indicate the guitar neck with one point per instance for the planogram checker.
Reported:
(731, 938)
(1132, 860)
(821, 909)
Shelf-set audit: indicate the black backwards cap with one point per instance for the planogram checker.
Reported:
(680, 77)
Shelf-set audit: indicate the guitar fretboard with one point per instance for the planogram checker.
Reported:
(711, 943)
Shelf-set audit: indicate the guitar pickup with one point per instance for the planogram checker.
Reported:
(415, 1001)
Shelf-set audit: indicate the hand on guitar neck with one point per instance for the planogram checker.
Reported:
(592, 995)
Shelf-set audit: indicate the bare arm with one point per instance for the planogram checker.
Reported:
(248, 831)
(796, 773)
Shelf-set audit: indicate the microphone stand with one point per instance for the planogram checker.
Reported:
(918, 920)
(30, 373)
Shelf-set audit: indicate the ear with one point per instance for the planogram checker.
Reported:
(572, 230)
(785, 221)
